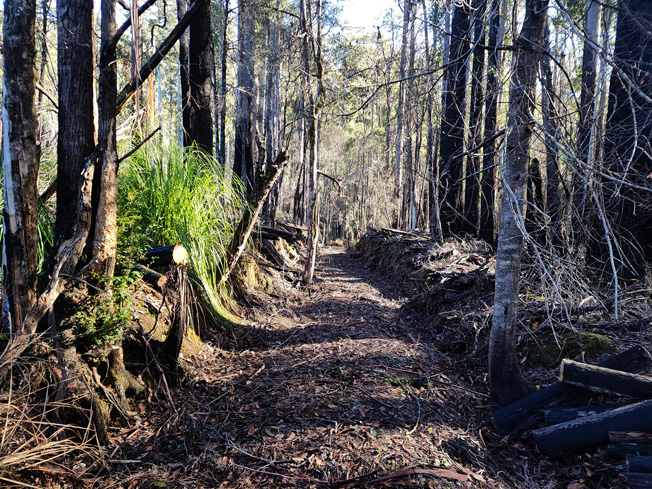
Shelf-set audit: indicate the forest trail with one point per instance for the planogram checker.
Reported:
(331, 388)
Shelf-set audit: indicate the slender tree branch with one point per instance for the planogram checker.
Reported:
(123, 28)
(332, 179)
(42, 89)
(140, 145)
(127, 92)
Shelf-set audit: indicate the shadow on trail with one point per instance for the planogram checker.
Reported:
(347, 301)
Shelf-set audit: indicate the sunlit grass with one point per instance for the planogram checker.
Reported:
(172, 196)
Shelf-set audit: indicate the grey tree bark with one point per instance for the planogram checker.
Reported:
(505, 378)
(312, 47)
(244, 155)
(105, 238)
(273, 107)
(398, 167)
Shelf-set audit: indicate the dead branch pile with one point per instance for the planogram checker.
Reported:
(453, 283)
(36, 437)
(424, 264)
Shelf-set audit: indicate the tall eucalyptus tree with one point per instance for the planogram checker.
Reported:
(505, 378)
(451, 139)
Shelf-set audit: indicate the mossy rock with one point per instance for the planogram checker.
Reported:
(545, 352)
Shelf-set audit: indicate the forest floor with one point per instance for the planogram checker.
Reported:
(331, 387)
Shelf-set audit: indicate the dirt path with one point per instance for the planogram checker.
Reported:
(328, 389)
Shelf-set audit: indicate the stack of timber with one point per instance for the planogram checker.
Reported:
(264, 232)
(625, 427)
(636, 448)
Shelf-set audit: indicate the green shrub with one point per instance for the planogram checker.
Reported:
(108, 314)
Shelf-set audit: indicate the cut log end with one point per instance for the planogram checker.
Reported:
(180, 255)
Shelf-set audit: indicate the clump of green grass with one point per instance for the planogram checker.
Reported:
(170, 195)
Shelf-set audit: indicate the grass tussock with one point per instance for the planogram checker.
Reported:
(170, 195)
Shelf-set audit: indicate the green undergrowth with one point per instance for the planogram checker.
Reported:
(169, 195)
(106, 316)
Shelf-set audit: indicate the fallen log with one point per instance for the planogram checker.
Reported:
(151, 277)
(562, 415)
(163, 256)
(629, 449)
(265, 232)
(638, 463)
(585, 434)
(525, 413)
(601, 379)
(630, 437)
(637, 480)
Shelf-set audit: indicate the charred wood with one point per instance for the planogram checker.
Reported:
(603, 379)
(562, 415)
(586, 434)
(524, 414)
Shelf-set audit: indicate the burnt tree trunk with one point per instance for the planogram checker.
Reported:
(184, 73)
(472, 204)
(244, 154)
(628, 144)
(451, 140)
(76, 139)
(222, 90)
(589, 84)
(200, 59)
(490, 153)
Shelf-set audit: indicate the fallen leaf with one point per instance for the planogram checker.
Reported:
(291, 437)
(251, 431)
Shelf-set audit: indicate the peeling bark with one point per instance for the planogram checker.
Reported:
(20, 159)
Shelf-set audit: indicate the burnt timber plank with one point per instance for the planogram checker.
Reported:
(629, 449)
(630, 437)
(563, 414)
(638, 463)
(637, 480)
(585, 434)
(601, 379)
(524, 414)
